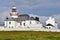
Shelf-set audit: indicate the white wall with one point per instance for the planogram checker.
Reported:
(13, 24)
(29, 22)
(51, 21)
(50, 27)
(17, 24)
(32, 22)
(14, 16)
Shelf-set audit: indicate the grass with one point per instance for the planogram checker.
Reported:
(29, 35)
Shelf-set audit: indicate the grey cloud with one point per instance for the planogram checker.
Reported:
(32, 4)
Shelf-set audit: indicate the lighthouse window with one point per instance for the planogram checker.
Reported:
(13, 10)
(9, 22)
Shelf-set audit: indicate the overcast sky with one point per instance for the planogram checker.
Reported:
(38, 7)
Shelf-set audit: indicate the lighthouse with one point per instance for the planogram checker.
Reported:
(13, 12)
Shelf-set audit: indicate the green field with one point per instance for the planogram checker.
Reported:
(29, 35)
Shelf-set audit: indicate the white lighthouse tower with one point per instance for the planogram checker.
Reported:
(14, 13)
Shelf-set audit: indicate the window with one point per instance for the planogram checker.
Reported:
(4, 26)
(13, 10)
(24, 24)
(20, 23)
(37, 22)
(28, 27)
(9, 22)
(30, 22)
(9, 26)
(12, 26)
(49, 28)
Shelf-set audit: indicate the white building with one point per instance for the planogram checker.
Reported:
(21, 21)
(51, 23)
(27, 22)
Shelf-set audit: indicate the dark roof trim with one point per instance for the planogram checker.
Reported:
(49, 25)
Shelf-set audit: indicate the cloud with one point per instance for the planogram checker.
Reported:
(3, 15)
(44, 6)
(39, 7)
(32, 4)
(57, 17)
(38, 3)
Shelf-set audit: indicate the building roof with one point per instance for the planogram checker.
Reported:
(22, 17)
(11, 19)
(49, 25)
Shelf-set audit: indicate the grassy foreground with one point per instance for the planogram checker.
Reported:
(29, 35)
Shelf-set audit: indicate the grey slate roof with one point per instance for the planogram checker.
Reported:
(22, 17)
(11, 19)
